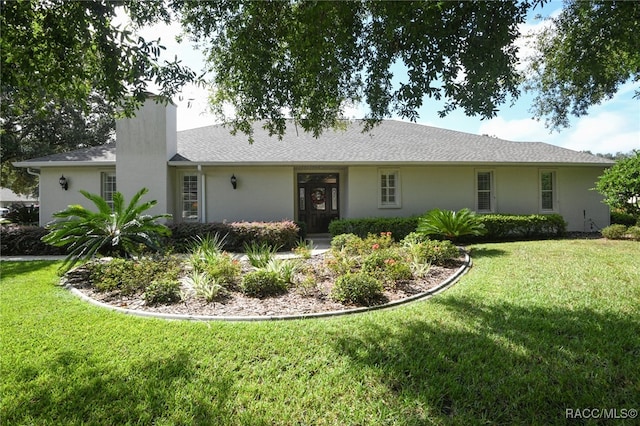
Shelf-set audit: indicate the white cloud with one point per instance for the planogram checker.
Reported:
(603, 132)
(523, 129)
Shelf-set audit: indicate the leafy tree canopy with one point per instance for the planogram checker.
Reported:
(55, 50)
(590, 49)
(57, 126)
(620, 185)
(308, 60)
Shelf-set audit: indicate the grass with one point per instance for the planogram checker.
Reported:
(532, 330)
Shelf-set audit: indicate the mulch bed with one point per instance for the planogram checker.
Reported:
(298, 301)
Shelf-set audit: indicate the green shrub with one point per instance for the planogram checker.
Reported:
(121, 230)
(358, 288)
(131, 276)
(205, 286)
(437, 252)
(517, 227)
(414, 238)
(285, 268)
(342, 262)
(614, 232)
(398, 226)
(24, 215)
(259, 255)
(161, 292)
(19, 240)
(284, 235)
(348, 244)
(450, 224)
(622, 218)
(387, 265)
(262, 283)
(219, 265)
(634, 232)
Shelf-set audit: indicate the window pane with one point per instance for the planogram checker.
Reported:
(334, 198)
(547, 200)
(484, 201)
(190, 198)
(547, 181)
(108, 187)
(301, 199)
(484, 181)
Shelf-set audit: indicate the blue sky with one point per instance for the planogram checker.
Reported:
(613, 126)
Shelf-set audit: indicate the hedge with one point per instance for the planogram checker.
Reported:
(26, 240)
(518, 227)
(284, 234)
(499, 227)
(17, 240)
(399, 227)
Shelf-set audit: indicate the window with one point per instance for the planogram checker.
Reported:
(190, 198)
(484, 191)
(108, 187)
(547, 190)
(389, 189)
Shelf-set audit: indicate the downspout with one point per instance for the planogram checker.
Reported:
(203, 195)
(35, 173)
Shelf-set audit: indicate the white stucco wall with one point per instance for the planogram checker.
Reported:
(262, 194)
(53, 198)
(516, 191)
(144, 144)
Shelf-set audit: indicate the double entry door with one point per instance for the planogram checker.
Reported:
(318, 200)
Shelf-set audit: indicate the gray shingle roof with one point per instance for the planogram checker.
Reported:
(98, 154)
(391, 142)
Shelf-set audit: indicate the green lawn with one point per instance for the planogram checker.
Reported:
(534, 329)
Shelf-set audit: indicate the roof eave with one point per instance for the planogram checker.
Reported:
(183, 163)
(41, 164)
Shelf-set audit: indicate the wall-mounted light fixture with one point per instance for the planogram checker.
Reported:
(234, 181)
(64, 183)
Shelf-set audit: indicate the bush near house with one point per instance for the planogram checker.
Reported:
(621, 232)
(521, 227)
(399, 227)
(622, 218)
(499, 227)
(18, 240)
(284, 234)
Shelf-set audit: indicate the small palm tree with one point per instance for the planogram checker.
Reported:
(449, 224)
(119, 232)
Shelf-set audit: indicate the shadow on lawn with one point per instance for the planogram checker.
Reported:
(505, 364)
(480, 252)
(11, 269)
(86, 391)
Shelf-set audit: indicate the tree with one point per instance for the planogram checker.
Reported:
(122, 231)
(449, 224)
(583, 58)
(55, 51)
(620, 185)
(308, 60)
(48, 129)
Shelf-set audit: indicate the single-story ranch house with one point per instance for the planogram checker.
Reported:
(397, 169)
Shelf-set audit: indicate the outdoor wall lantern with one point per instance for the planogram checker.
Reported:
(64, 183)
(234, 181)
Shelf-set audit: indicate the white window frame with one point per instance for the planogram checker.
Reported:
(195, 179)
(383, 190)
(553, 191)
(108, 178)
(491, 191)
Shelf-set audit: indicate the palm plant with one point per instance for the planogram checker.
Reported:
(450, 224)
(121, 232)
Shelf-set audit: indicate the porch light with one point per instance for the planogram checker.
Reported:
(234, 181)
(64, 183)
